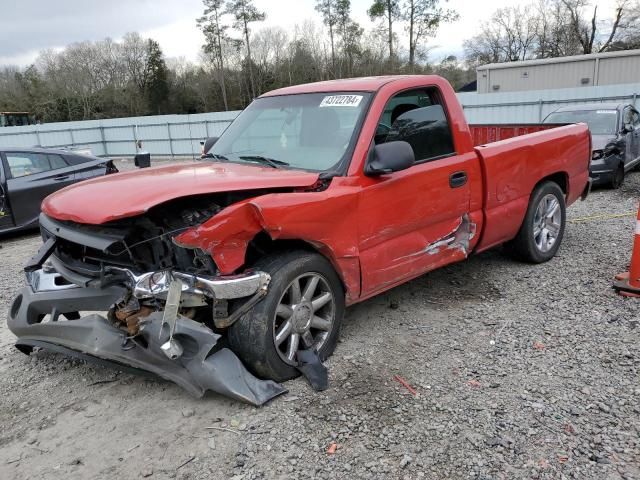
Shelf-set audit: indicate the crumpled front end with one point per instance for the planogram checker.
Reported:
(94, 293)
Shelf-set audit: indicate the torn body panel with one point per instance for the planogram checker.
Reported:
(319, 218)
(458, 239)
(196, 369)
(426, 253)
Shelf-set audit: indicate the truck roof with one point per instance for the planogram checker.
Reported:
(365, 84)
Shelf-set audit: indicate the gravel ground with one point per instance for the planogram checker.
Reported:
(521, 371)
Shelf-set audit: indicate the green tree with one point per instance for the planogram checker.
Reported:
(327, 8)
(424, 17)
(390, 11)
(350, 32)
(244, 13)
(157, 85)
(215, 34)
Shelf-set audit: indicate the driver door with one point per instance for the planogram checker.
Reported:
(6, 219)
(413, 221)
(32, 176)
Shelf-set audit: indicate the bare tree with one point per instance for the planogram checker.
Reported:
(587, 30)
(555, 35)
(509, 36)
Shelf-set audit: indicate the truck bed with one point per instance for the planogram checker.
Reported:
(513, 165)
(487, 133)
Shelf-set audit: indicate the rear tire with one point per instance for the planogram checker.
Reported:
(542, 230)
(312, 322)
(618, 177)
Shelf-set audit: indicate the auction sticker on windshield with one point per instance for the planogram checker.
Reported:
(341, 101)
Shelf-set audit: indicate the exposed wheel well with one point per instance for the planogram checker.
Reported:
(262, 244)
(560, 178)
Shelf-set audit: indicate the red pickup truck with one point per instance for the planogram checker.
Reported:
(316, 197)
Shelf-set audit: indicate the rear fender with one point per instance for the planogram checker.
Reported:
(512, 168)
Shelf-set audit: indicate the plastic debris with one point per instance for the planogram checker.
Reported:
(405, 384)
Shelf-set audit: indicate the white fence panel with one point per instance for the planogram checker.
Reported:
(180, 135)
(534, 106)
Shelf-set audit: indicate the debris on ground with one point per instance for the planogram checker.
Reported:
(310, 365)
(538, 345)
(405, 384)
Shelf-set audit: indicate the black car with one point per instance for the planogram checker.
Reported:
(615, 132)
(28, 175)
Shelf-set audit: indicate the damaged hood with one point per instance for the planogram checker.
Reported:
(129, 194)
(598, 142)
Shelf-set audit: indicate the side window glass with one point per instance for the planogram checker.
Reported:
(416, 118)
(23, 164)
(57, 162)
(626, 116)
(636, 120)
(427, 131)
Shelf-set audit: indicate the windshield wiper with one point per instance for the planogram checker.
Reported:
(272, 162)
(215, 156)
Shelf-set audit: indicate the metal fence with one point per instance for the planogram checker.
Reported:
(163, 135)
(534, 106)
(180, 135)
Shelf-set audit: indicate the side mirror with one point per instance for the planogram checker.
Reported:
(207, 145)
(389, 157)
(628, 128)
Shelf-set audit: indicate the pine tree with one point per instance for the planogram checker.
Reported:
(215, 34)
(389, 10)
(244, 13)
(328, 10)
(157, 83)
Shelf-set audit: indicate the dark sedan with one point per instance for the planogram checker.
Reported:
(615, 132)
(28, 175)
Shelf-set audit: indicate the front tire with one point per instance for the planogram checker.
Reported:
(542, 230)
(303, 309)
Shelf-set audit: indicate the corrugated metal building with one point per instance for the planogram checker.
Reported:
(610, 68)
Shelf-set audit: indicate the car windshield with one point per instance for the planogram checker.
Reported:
(313, 131)
(600, 122)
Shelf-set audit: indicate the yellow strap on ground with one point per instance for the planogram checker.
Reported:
(605, 216)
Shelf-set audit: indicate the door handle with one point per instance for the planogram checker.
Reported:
(61, 177)
(457, 179)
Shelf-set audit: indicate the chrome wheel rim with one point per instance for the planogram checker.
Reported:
(304, 316)
(547, 223)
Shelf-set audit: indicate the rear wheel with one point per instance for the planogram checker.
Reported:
(302, 310)
(542, 230)
(618, 177)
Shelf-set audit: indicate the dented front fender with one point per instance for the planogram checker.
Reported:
(317, 218)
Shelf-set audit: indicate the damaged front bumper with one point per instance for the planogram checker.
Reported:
(202, 363)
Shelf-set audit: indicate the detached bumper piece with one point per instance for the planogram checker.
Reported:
(202, 364)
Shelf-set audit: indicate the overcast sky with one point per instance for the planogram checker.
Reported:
(27, 26)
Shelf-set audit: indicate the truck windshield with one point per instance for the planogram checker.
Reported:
(600, 122)
(313, 131)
